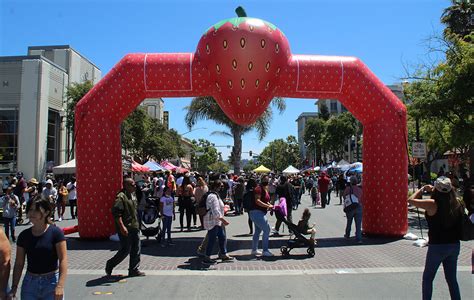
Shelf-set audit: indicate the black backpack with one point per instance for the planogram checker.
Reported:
(201, 208)
(248, 202)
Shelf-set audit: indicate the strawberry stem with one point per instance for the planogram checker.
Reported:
(240, 12)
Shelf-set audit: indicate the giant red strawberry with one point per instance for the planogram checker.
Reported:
(244, 57)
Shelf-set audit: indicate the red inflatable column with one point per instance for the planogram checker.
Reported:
(385, 179)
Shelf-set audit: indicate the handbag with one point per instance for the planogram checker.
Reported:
(353, 205)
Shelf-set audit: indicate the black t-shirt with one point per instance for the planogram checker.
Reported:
(41, 250)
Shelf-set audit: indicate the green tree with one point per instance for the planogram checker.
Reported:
(74, 94)
(220, 167)
(145, 138)
(281, 153)
(249, 167)
(458, 19)
(208, 154)
(324, 112)
(206, 108)
(338, 130)
(313, 136)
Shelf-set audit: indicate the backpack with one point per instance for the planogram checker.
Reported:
(201, 208)
(467, 227)
(248, 202)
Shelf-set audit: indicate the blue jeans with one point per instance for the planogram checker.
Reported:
(259, 218)
(357, 215)
(166, 227)
(219, 232)
(37, 287)
(448, 255)
(10, 226)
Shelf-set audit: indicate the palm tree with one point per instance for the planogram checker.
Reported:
(458, 18)
(206, 108)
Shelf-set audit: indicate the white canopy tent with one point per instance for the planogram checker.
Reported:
(291, 170)
(67, 168)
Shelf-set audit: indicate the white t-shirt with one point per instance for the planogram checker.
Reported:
(72, 195)
(168, 207)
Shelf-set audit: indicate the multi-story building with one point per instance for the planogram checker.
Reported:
(154, 108)
(33, 138)
(353, 151)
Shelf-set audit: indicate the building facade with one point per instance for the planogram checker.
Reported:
(33, 138)
(154, 108)
(301, 123)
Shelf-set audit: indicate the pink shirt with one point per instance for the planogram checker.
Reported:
(356, 190)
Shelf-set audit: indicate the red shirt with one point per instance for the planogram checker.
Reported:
(323, 183)
(265, 199)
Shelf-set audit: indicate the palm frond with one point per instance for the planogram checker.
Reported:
(279, 103)
(222, 133)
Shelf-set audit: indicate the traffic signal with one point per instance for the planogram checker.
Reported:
(250, 153)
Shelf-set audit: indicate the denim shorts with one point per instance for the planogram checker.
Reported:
(39, 287)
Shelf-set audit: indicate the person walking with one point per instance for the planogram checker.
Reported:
(341, 186)
(62, 198)
(258, 215)
(443, 213)
(186, 193)
(72, 197)
(5, 257)
(44, 246)
(323, 187)
(124, 211)
(10, 207)
(239, 189)
(214, 223)
(284, 189)
(353, 194)
(167, 212)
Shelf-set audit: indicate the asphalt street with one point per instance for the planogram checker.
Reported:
(380, 268)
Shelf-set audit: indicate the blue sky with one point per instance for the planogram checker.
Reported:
(385, 34)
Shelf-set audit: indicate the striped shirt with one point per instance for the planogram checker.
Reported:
(216, 210)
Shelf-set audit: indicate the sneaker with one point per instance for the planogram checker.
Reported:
(267, 254)
(136, 273)
(275, 233)
(200, 253)
(60, 219)
(226, 257)
(108, 270)
(256, 253)
(208, 260)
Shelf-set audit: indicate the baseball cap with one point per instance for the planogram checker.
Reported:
(49, 181)
(443, 184)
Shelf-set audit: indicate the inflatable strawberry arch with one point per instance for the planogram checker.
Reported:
(243, 63)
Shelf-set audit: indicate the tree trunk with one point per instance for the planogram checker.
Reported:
(237, 151)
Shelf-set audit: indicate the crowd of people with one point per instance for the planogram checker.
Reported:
(210, 199)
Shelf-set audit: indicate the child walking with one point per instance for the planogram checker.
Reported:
(167, 208)
(303, 225)
(315, 195)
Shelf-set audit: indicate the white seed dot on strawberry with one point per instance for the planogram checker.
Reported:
(257, 82)
(242, 42)
(263, 43)
(224, 43)
(267, 66)
(277, 48)
(230, 84)
(242, 83)
(250, 66)
(218, 69)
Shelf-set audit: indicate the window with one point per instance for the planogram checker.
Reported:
(8, 139)
(53, 138)
(333, 106)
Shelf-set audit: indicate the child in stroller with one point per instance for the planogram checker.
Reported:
(297, 238)
(149, 217)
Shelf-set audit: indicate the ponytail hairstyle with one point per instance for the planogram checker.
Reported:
(306, 214)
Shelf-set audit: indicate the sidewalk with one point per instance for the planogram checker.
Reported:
(338, 262)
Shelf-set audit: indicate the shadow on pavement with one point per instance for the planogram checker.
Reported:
(194, 264)
(104, 281)
(343, 242)
(414, 223)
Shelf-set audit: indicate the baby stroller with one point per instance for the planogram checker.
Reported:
(297, 239)
(149, 217)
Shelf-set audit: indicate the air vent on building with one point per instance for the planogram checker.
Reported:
(5, 83)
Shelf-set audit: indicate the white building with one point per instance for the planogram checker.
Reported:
(32, 107)
(301, 122)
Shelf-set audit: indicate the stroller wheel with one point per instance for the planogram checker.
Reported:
(310, 252)
(284, 250)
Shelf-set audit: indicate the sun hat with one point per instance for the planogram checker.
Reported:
(443, 184)
(33, 181)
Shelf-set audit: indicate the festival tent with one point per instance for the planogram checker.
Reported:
(262, 169)
(138, 168)
(181, 170)
(154, 166)
(291, 170)
(168, 166)
(67, 168)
